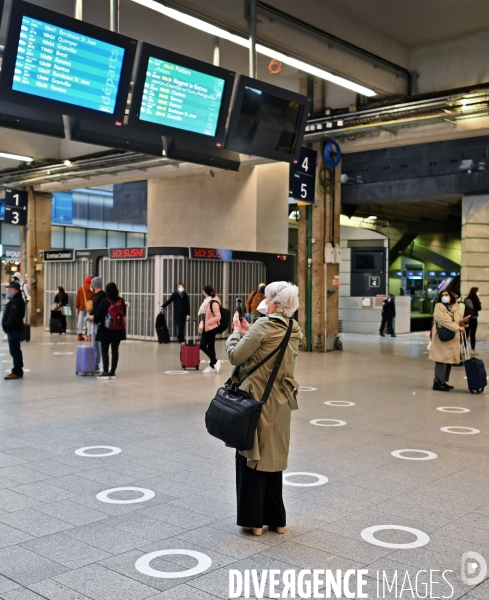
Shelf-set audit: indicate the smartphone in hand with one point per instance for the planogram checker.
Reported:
(239, 308)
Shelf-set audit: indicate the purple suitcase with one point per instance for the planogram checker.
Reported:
(86, 356)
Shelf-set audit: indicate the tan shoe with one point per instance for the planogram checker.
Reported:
(13, 376)
(474, 353)
(280, 529)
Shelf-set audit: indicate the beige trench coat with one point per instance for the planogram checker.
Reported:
(450, 317)
(271, 448)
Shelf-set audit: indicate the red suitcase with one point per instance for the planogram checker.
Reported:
(190, 352)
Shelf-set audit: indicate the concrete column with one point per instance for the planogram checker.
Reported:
(475, 250)
(246, 210)
(38, 238)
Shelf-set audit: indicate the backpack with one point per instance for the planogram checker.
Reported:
(115, 318)
(469, 308)
(225, 318)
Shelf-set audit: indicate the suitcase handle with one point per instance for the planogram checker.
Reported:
(465, 346)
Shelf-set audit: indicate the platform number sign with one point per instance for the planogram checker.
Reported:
(303, 177)
(16, 207)
(374, 282)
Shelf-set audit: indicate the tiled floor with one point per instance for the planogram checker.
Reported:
(58, 541)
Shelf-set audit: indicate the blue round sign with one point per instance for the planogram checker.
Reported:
(332, 154)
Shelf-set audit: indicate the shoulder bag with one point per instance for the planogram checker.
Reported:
(233, 415)
(445, 334)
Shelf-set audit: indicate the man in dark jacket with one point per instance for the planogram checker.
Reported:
(13, 325)
(97, 299)
(181, 309)
(388, 315)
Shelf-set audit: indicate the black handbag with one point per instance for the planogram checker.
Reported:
(445, 334)
(233, 416)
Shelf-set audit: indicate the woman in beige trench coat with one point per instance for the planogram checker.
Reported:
(259, 470)
(445, 353)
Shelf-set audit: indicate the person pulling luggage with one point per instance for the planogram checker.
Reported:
(13, 326)
(98, 290)
(181, 309)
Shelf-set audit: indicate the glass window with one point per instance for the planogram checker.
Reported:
(116, 239)
(135, 240)
(57, 237)
(10, 235)
(74, 237)
(96, 238)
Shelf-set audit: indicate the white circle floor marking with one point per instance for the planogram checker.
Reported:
(428, 455)
(63, 353)
(113, 450)
(146, 495)
(8, 361)
(331, 422)
(25, 370)
(453, 409)
(306, 388)
(143, 564)
(46, 343)
(132, 342)
(467, 430)
(320, 479)
(368, 535)
(339, 403)
(182, 372)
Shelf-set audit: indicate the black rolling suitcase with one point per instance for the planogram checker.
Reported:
(26, 334)
(162, 329)
(55, 326)
(475, 370)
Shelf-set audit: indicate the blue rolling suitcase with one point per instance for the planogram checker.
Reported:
(86, 356)
(474, 369)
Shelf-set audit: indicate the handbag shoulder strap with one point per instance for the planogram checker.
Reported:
(281, 349)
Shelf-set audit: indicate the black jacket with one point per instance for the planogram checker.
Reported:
(388, 308)
(97, 299)
(181, 305)
(103, 334)
(13, 315)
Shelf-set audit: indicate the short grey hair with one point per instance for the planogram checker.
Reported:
(285, 295)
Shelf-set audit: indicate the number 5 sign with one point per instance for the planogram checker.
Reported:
(303, 177)
(16, 207)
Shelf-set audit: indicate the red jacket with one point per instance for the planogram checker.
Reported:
(80, 297)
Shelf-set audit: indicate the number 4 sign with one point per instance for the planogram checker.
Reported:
(303, 177)
(16, 207)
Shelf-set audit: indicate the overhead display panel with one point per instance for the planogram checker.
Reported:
(267, 120)
(65, 65)
(183, 97)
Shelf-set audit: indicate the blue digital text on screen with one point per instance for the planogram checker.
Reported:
(66, 66)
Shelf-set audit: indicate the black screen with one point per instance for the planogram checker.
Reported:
(269, 122)
(368, 262)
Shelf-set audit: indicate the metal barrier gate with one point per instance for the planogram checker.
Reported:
(70, 276)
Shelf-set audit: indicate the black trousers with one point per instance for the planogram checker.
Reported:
(208, 345)
(442, 372)
(389, 320)
(15, 352)
(105, 355)
(180, 331)
(472, 328)
(259, 495)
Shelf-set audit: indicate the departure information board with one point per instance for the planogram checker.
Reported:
(58, 64)
(180, 97)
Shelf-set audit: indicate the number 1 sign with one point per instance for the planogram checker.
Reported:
(16, 207)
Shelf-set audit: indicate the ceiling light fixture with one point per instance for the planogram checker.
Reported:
(373, 217)
(241, 41)
(16, 157)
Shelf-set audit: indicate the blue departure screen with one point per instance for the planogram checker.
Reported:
(63, 65)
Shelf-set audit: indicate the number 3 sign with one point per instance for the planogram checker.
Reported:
(16, 207)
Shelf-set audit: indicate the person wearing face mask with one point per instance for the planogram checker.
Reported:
(13, 325)
(472, 308)
(445, 353)
(388, 315)
(254, 299)
(181, 309)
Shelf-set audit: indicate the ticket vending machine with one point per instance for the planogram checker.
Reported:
(368, 272)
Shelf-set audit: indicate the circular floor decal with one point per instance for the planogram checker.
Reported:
(320, 479)
(368, 535)
(113, 450)
(146, 495)
(10, 370)
(453, 409)
(46, 343)
(182, 372)
(143, 564)
(339, 403)
(428, 455)
(8, 361)
(63, 353)
(466, 430)
(306, 388)
(132, 342)
(330, 422)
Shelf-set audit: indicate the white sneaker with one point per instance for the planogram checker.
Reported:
(217, 366)
(209, 369)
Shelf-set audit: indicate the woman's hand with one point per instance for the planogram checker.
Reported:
(240, 326)
(461, 328)
(466, 319)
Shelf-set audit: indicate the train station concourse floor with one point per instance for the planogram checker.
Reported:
(113, 490)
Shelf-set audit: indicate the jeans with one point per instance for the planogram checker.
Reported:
(15, 352)
(81, 319)
(98, 345)
(105, 356)
(208, 345)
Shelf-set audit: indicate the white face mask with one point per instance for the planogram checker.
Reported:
(181, 289)
(445, 299)
(262, 307)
